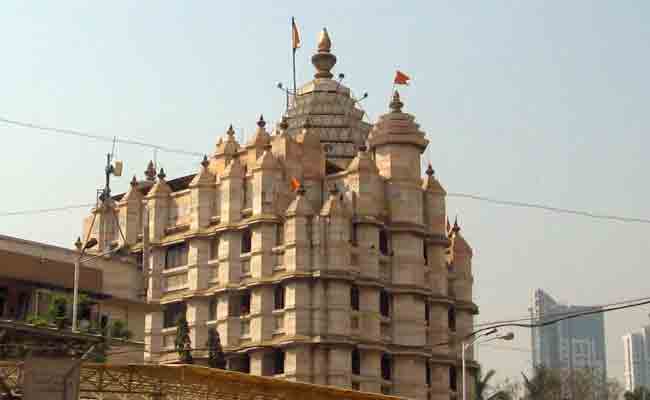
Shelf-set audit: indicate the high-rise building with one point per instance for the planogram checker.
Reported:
(571, 343)
(636, 346)
(318, 252)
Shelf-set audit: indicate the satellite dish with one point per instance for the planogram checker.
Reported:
(117, 168)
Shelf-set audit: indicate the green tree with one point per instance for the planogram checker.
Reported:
(482, 386)
(545, 384)
(183, 342)
(640, 393)
(216, 358)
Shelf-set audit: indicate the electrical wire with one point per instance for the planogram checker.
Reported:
(45, 210)
(556, 210)
(470, 196)
(86, 135)
(560, 314)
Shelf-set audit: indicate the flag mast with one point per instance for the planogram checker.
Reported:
(295, 44)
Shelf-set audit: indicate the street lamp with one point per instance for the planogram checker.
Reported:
(77, 265)
(466, 345)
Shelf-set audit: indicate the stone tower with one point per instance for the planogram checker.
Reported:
(345, 276)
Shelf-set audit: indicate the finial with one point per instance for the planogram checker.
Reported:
(231, 131)
(205, 161)
(284, 124)
(261, 123)
(430, 171)
(301, 190)
(456, 227)
(161, 174)
(396, 104)
(324, 42)
(150, 172)
(78, 243)
(324, 60)
(134, 181)
(448, 225)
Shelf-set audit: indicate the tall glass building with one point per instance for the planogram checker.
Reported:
(571, 343)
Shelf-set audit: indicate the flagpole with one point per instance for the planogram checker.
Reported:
(293, 24)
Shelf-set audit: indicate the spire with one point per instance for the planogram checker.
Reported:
(261, 137)
(134, 181)
(430, 171)
(150, 172)
(396, 104)
(134, 192)
(431, 184)
(324, 60)
(334, 207)
(160, 187)
(204, 176)
(300, 206)
(230, 145)
(456, 227)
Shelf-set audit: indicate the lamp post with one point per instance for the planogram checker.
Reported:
(82, 247)
(466, 345)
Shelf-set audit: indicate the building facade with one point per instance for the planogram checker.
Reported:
(32, 274)
(318, 251)
(571, 343)
(636, 347)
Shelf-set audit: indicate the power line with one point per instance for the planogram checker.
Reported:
(86, 135)
(560, 314)
(477, 197)
(490, 326)
(44, 210)
(558, 210)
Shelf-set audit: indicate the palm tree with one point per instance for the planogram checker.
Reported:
(640, 393)
(483, 384)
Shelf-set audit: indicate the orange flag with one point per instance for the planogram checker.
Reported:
(295, 36)
(295, 184)
(401, 78)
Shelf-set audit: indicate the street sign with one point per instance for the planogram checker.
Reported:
(51, 379)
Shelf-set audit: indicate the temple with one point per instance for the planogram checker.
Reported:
(318, 250)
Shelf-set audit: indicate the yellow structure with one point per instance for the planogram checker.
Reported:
(318, 251)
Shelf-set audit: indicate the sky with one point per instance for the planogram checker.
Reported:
(536, 101)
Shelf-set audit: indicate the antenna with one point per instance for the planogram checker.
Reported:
(112, 168)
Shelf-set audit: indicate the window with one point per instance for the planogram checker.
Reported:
(172, 312)
(239, 304)
(427, 373)
(245, 303)
(356, 386)
(278, 297)
(279, 234)
(354, 297)
(453, 381)
(278, 362)
(246, 239)
(214, 248)
(451, 318)
(240, 364)
(427, 313)
(356, 362)
(176, 255)
(212, 310)
(425, 254)
(386, 367)
(383, 242)
(384, 303)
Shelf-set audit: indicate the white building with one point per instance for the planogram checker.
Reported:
(637, 358)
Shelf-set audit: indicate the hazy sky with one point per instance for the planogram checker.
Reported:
(530, 101)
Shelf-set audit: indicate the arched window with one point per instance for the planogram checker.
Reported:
(384, 303)
(427, 312)
(451, 318)
(427, 373)
(278, 362)
(356, 361)
(383, 242)
(386, 367)
(354, 298)
(246, 240)
(278, 297)
(425, 253)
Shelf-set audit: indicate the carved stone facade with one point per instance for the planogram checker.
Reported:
(352, 278)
